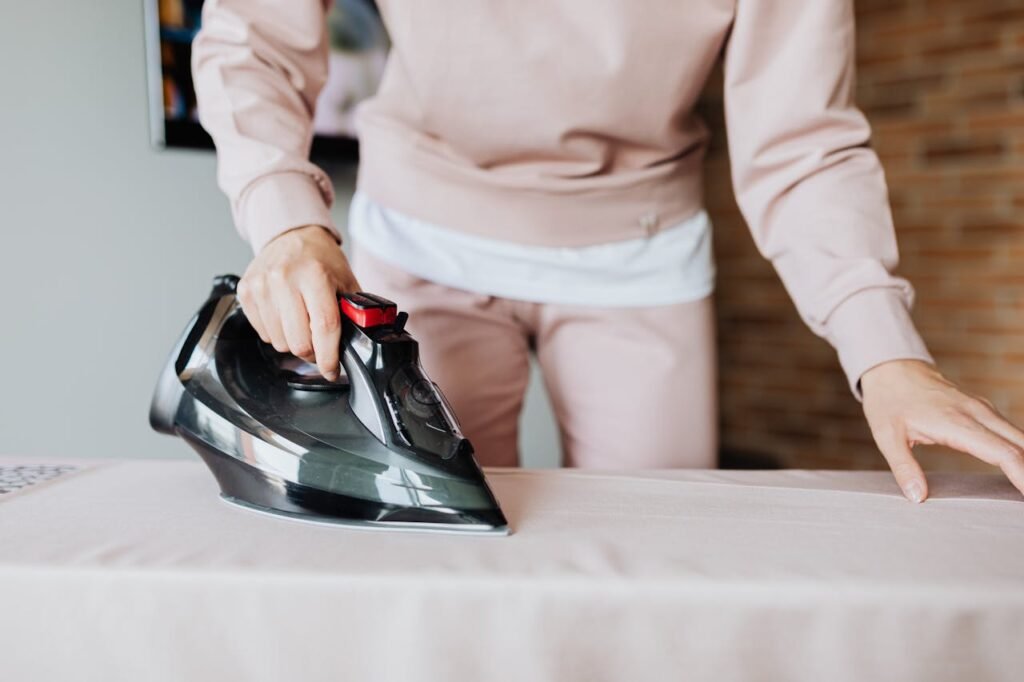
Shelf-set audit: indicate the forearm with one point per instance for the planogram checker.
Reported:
(808, 183)
(258, 68)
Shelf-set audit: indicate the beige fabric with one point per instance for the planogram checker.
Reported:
(136, 571)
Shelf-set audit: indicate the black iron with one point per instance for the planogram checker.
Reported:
(379, 448)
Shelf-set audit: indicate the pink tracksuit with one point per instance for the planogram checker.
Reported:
(569, 123)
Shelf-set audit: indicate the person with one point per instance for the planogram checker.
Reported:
(530, 180)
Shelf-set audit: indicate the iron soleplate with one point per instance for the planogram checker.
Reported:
(364, 525)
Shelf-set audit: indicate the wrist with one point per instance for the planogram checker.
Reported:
(280, 201)
(886, 373)
(313, 231)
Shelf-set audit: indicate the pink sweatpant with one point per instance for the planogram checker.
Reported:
(630, 387)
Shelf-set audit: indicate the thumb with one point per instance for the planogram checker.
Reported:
(905, 468)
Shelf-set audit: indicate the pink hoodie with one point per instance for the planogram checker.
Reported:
(571, 122)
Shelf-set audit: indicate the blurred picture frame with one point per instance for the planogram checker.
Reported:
(358, 51)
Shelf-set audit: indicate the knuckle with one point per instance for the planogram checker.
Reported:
(955, 414)
(302, 348)
(1006, 453)
(325, 322)
(979, 406)
(904, 468)
(245, 297)
(890, 428)
(1012, 454)
(279, 274)
(888, 431)
(252, 287)
(951, 410)
(316, 269)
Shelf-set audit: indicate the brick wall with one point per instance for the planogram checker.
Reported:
(942, 82)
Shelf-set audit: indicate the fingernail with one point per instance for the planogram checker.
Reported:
(914, 492)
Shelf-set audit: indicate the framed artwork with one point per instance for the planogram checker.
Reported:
(358, 50)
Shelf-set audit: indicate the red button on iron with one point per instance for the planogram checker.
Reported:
(368, 310)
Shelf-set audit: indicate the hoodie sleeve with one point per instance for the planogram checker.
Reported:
(807, 182)
(258, 67)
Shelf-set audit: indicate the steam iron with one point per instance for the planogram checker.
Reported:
(379, 448)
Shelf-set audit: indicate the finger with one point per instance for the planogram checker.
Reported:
(1011, 461)
(321, 302)
(990, 418)
(967, 434)
(294, 321)
(970, 436)
(267, 312)
(905, 468)
(1013, 467)
(252, 311)
(1007, 455)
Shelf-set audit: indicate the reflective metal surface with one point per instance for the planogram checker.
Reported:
(382, 450)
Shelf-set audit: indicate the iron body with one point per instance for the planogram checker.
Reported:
(379, 449)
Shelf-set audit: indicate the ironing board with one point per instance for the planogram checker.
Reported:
(134, 570)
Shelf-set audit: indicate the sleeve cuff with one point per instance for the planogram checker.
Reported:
(871, 327)
(280, 202)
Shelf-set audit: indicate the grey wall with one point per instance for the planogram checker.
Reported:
(108, 244)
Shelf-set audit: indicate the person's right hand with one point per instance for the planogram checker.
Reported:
(290, 291)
